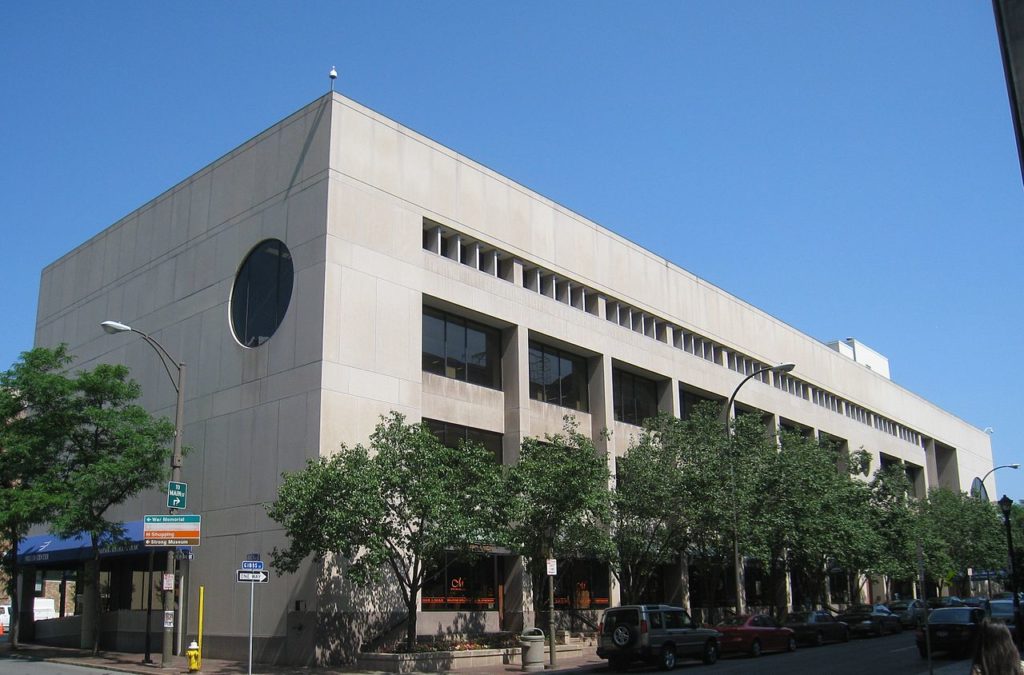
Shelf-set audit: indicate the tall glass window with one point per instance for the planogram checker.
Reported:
(635, 398)
(558, 377)
(461, 349)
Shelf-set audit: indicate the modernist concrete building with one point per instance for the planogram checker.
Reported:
(339, 266)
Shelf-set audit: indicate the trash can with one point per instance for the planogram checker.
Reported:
(532, 642)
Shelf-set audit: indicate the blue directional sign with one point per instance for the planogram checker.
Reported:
(252, 564)
(177, 495)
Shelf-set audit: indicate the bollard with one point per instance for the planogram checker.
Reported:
(532, 642)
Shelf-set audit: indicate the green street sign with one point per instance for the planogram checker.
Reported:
(177, 495)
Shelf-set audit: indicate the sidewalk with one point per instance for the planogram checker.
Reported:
(121, 662)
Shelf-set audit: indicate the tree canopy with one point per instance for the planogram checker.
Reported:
(394, 508)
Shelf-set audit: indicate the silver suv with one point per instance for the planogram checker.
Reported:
(653, 633)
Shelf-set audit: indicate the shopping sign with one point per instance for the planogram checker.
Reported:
(171, 530)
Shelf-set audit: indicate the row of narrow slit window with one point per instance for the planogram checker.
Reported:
(497, 263)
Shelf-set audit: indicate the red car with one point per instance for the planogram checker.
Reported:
(754, 634)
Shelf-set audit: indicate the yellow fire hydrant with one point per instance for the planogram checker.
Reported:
(192, 654)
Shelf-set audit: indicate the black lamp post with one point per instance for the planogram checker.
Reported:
(1006, 506)
(737, 561)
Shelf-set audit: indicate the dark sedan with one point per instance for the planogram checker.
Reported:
(817, 627)
(950, 629)
(871, 620)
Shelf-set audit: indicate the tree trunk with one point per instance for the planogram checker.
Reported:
(410, 624)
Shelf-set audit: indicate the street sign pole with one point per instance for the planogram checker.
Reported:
(252, 595)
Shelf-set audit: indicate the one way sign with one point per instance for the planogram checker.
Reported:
(253, 576)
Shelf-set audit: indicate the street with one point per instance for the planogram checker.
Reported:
(890, 655)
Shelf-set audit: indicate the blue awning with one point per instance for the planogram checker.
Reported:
(43, 549)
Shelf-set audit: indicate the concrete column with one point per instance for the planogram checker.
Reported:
(90, 599)
(668, 397)
(26, 590)
(931, 467)
(602, 417)
(517, 273)
(684, 583)
(515, 377)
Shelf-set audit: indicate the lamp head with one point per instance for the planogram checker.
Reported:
(1015, 465)
(115, 327)
(783, 367)
(1005, 505)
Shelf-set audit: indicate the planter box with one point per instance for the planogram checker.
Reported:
(441, 662)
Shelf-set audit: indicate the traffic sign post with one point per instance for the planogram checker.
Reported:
(253, 576)
(177, 495)
(171, 530)
(252, 573)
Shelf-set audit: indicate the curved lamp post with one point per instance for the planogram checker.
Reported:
(727, 415)
(1006, 506)
(178, 382)
(996, 468)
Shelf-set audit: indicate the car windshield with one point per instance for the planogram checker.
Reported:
(734, 621)
(799, 617)
(952, 615)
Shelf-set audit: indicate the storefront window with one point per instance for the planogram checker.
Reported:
(581, 584)
(457, 583)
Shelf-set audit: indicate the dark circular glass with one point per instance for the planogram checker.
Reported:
(262, 291)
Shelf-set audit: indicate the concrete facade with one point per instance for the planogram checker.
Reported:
(381, 222)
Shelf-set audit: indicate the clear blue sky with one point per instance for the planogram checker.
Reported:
(849, 167)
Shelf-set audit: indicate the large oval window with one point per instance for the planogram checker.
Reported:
(262, 291)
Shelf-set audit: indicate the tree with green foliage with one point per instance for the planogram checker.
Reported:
(957, 532)
(114, 449)
(559, 501)
(35, 400)
(72, 447)
(813, 515)
(394, 508)
(651, 504)
(894, 521)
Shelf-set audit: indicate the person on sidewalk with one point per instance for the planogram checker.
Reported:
(994, 651)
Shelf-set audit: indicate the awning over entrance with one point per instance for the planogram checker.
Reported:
(49, 548)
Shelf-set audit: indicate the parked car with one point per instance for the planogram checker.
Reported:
(975, 601)
(950, 629)
(945, 601)
(1002, 611)
(911, 613)
(754, 634)
(817, 627)
(657, 634)
(5, 617)
(871, 620)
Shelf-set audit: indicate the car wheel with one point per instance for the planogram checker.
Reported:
(710, 654)
(623, 636)
(879, 629)
(899, 627)
(846, 635)
(791, 645)
(668, 657)
(819, 639)
(755, 649)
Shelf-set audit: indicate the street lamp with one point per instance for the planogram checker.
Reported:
(178, 383)
(737, 562)
(1006, 506)
(994, 469)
